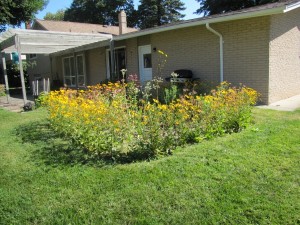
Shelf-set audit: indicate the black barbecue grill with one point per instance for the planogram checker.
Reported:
(183, 76)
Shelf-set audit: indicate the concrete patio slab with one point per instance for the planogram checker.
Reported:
(14, 103)
(289, 104)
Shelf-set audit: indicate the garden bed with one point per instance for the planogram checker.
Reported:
(119, 120)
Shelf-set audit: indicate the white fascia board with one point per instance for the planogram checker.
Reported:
(46, 42)
(292, 7)
(224, 18)
(85, 47)
(55, 33)
(36, 50)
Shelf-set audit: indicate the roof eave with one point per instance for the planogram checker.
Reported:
(47, 42)
(292, 7)
(81, 48)
(242, 15)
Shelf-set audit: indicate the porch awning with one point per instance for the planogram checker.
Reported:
(46, 42)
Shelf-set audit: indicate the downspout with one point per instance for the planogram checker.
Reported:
(221, 51)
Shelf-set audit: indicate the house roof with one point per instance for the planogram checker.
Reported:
(65, 26)
(48, 37)
(48, 42)
(282, 6)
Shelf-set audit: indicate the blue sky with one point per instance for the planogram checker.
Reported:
(54, 5)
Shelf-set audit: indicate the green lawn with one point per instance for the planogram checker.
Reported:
(251, 177)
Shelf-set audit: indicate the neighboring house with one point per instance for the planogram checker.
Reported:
(39, 65)
(258, 47)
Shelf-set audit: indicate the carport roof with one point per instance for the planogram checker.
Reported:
(46, 42)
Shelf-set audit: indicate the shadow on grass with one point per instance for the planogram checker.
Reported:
(53, 150)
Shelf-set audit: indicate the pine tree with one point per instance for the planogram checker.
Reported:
(158, 12)
(210, 7)
(100, 11)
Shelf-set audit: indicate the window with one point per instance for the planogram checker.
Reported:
(32, 56)
(147, 61)
(74, 72)
(80, 71)
(69, 71)
(120, 63)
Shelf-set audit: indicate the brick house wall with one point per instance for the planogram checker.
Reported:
(132, 56)
(246, 52)
(284, 56)
(95, 61)
(192, 48)
(39, 67)
(261, 53)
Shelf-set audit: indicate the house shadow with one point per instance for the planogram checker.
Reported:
(51, 149)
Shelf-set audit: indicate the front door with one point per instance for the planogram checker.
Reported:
(145, 63)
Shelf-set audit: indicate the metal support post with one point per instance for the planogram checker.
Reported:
(112, 61)
(18, 47)
(5, 76)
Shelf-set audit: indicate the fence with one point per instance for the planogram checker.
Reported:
(40, 85)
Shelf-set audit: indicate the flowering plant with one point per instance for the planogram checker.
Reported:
(111, 120)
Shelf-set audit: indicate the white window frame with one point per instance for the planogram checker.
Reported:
(84, 70)
(75, 69)
(108, 58)
(64, 71)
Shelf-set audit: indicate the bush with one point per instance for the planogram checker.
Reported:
(108, 122)
(41, 100)
(2, 90)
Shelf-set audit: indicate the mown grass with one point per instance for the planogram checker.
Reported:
(250, 177)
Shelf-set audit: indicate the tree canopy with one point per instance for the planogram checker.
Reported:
(210, 7)
(158, 12)
(15, 12)
(100, 11)
(59, 15)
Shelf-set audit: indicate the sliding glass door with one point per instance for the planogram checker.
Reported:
(74, 71)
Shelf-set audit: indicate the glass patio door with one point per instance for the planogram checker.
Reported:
(74, 71)
(69, 71)
(80, 71)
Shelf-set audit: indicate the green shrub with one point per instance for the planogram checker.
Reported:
(2, 90)
(41, 100)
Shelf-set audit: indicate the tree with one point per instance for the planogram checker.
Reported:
(100, 11)
(158, 12)
(210, 7)
(15, 12)
(59, 15)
